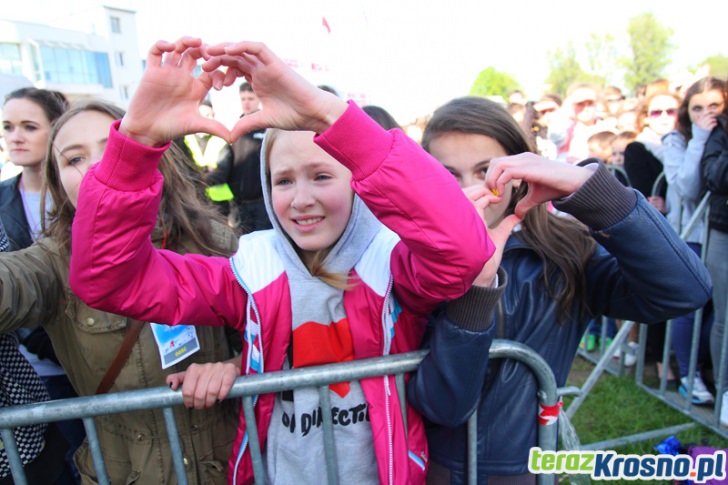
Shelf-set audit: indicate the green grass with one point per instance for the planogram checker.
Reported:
(617, 407)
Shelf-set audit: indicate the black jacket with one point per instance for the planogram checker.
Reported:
(715, 174)
(12, 215)
(239, 167)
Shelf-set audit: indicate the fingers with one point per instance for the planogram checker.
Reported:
(524, 205)
(246, 124)
(174, 380)
(213, 127)
(257, 49)
(205, 384)
(154, 58)
(507, 225)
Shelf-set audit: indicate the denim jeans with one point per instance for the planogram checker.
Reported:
(716, 259)
(682, 333)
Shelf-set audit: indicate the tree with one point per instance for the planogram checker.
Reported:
(564, 69)
(491, 82)
(718, 65)
(601, 53)
(650, 44)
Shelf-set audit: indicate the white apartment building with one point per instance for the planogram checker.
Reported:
(91, 53)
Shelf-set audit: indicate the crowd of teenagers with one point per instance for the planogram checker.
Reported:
(358, 241)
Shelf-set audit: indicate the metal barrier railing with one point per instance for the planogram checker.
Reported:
(86, 408)
(603, 359)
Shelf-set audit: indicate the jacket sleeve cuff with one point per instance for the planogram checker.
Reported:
(357, 141)
(474, 310)
(700, 134)
(602, 201)
(128, 165)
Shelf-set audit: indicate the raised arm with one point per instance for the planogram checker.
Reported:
(443, 245)
(642, 270)
(31, 287)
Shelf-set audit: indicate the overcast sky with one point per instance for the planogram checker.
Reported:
(409, 56)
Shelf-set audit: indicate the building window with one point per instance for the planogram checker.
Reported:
(10, 59)
(74, 66)
(116, 25)
(119, 59)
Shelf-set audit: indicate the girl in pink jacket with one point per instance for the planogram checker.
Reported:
(370, 234)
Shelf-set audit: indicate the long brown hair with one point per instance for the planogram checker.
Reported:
(704, 85)
(563, 244)
(184, 216)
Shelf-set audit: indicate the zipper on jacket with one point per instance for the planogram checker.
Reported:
(249, 325)
(388, 327)
(250, 306)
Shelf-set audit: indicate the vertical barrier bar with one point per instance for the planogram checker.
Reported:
(249, 387)
(720, 389)
(253, 440)
(547, 394)
(402, 394)
(328, 425)
(665, 358)
(640, 370)
(694, 346)
(174, 446)
(95, 448)
(473, 448)
(11, 450)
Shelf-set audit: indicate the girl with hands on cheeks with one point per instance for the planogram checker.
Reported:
(550, 275)
(351, 269)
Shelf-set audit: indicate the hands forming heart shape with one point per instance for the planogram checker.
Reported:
(165, 105)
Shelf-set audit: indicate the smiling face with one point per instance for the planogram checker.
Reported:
(310, 192)
(466, 156)
(26, 130)
(80, 143)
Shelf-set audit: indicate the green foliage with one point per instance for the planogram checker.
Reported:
(602, 56)
(650, 47)
(718, 65)
(491, 82)
(565, 69)
(616, 407)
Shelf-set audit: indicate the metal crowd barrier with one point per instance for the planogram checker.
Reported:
(86, 408)
(604, 362)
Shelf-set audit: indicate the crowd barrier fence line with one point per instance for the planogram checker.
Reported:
(604, 362)
(246, 387)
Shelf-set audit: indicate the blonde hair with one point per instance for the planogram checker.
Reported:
(316, 265)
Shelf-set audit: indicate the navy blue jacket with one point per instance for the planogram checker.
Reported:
(640, 271)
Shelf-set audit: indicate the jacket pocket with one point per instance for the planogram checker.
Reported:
(119, 471)
(90, 321)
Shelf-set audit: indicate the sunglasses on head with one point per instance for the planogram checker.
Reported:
(656, 113)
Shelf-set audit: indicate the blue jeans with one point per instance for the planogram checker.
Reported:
(716, 259)
(682, 333)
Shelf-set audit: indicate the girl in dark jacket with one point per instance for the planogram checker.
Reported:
(715, 175)
(561, 272)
